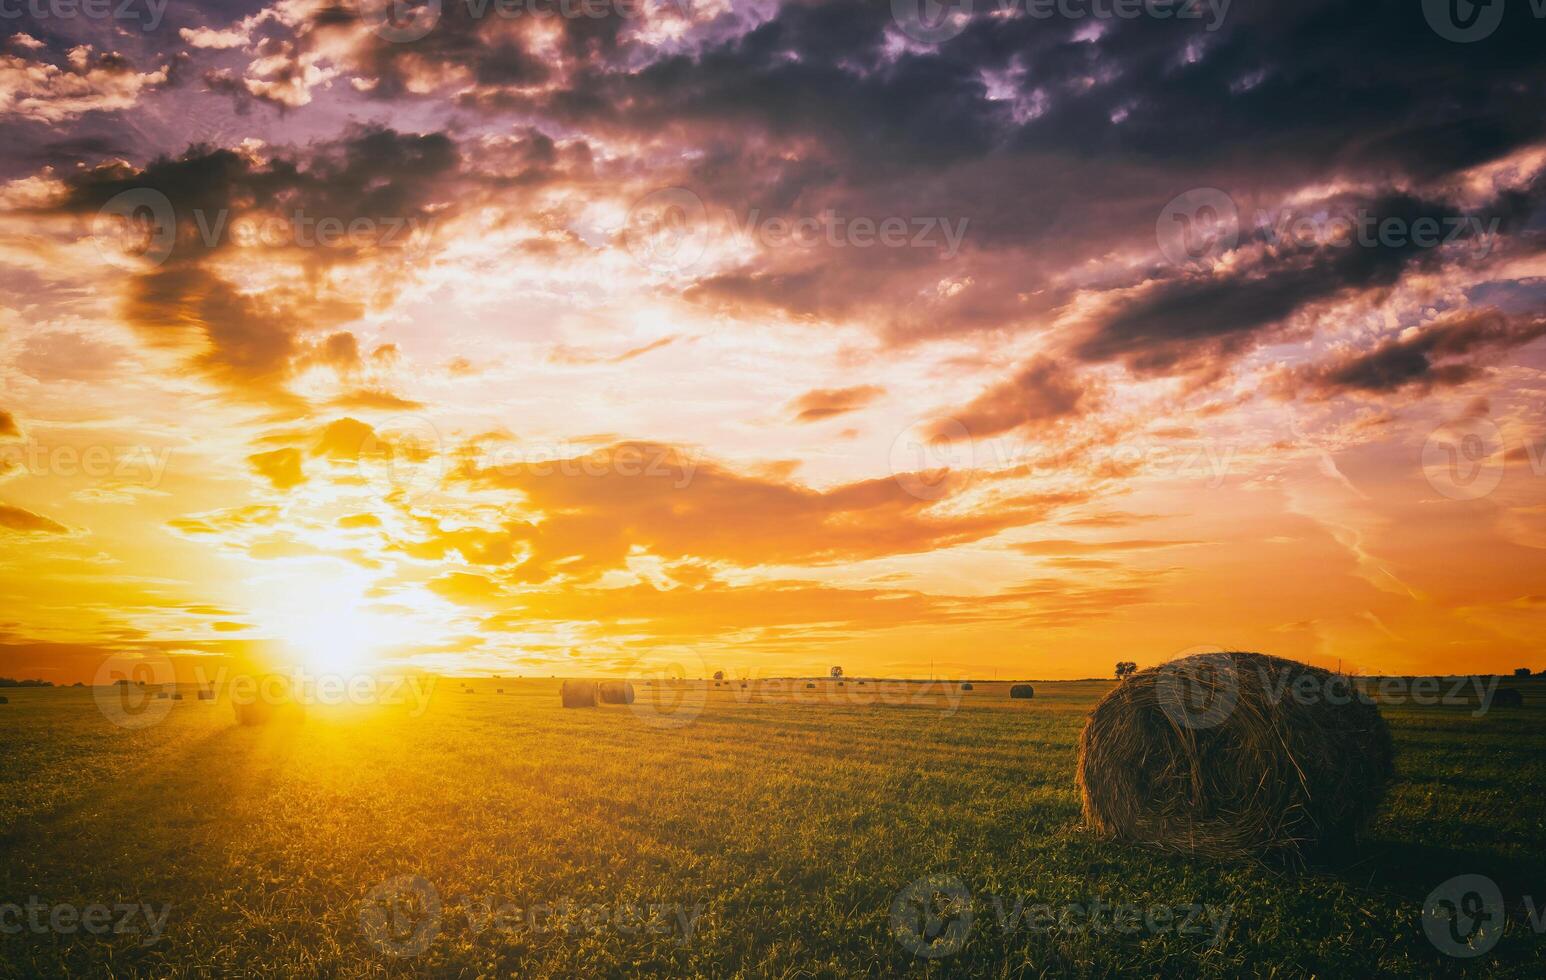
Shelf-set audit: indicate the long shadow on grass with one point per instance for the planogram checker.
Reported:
(1413, 871)
(149, 820)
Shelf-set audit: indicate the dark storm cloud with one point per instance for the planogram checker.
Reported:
(250, 342)
(1058, 143)
(1447, 352)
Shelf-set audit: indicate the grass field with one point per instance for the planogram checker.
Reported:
(756, 835)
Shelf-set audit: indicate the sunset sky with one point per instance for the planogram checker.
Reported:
(765, 336)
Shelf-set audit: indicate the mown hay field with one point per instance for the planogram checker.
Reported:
(748, 832)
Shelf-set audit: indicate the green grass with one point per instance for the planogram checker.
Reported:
(788, 824)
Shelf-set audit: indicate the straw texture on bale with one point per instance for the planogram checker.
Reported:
(615, 692)
(1508, 697)
(578, 694)
(1022, 691)
(1234, 755)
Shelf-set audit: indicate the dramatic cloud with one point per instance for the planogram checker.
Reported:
(769, 330)
(1447, 352)
(1041, 393)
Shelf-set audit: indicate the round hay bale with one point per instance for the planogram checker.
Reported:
(5, 700)
(578, 694)
(1508, 697)
(810, 686)
(1234, 755)
(1023, 691)
(968, 686)
(615, 692)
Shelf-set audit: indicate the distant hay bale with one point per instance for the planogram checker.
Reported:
(615, 692)
(206, 695)
(177, 697)
(1024, 691)
(5, 700)
(578, 694)
(499, 691)
(968, 686)
(1508, 697)
(809, 686)
(162, 695)
(1234, 755)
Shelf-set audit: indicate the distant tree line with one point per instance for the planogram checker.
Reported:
(13, 682)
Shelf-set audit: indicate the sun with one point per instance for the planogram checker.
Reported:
(326, 623)
(339, 642)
